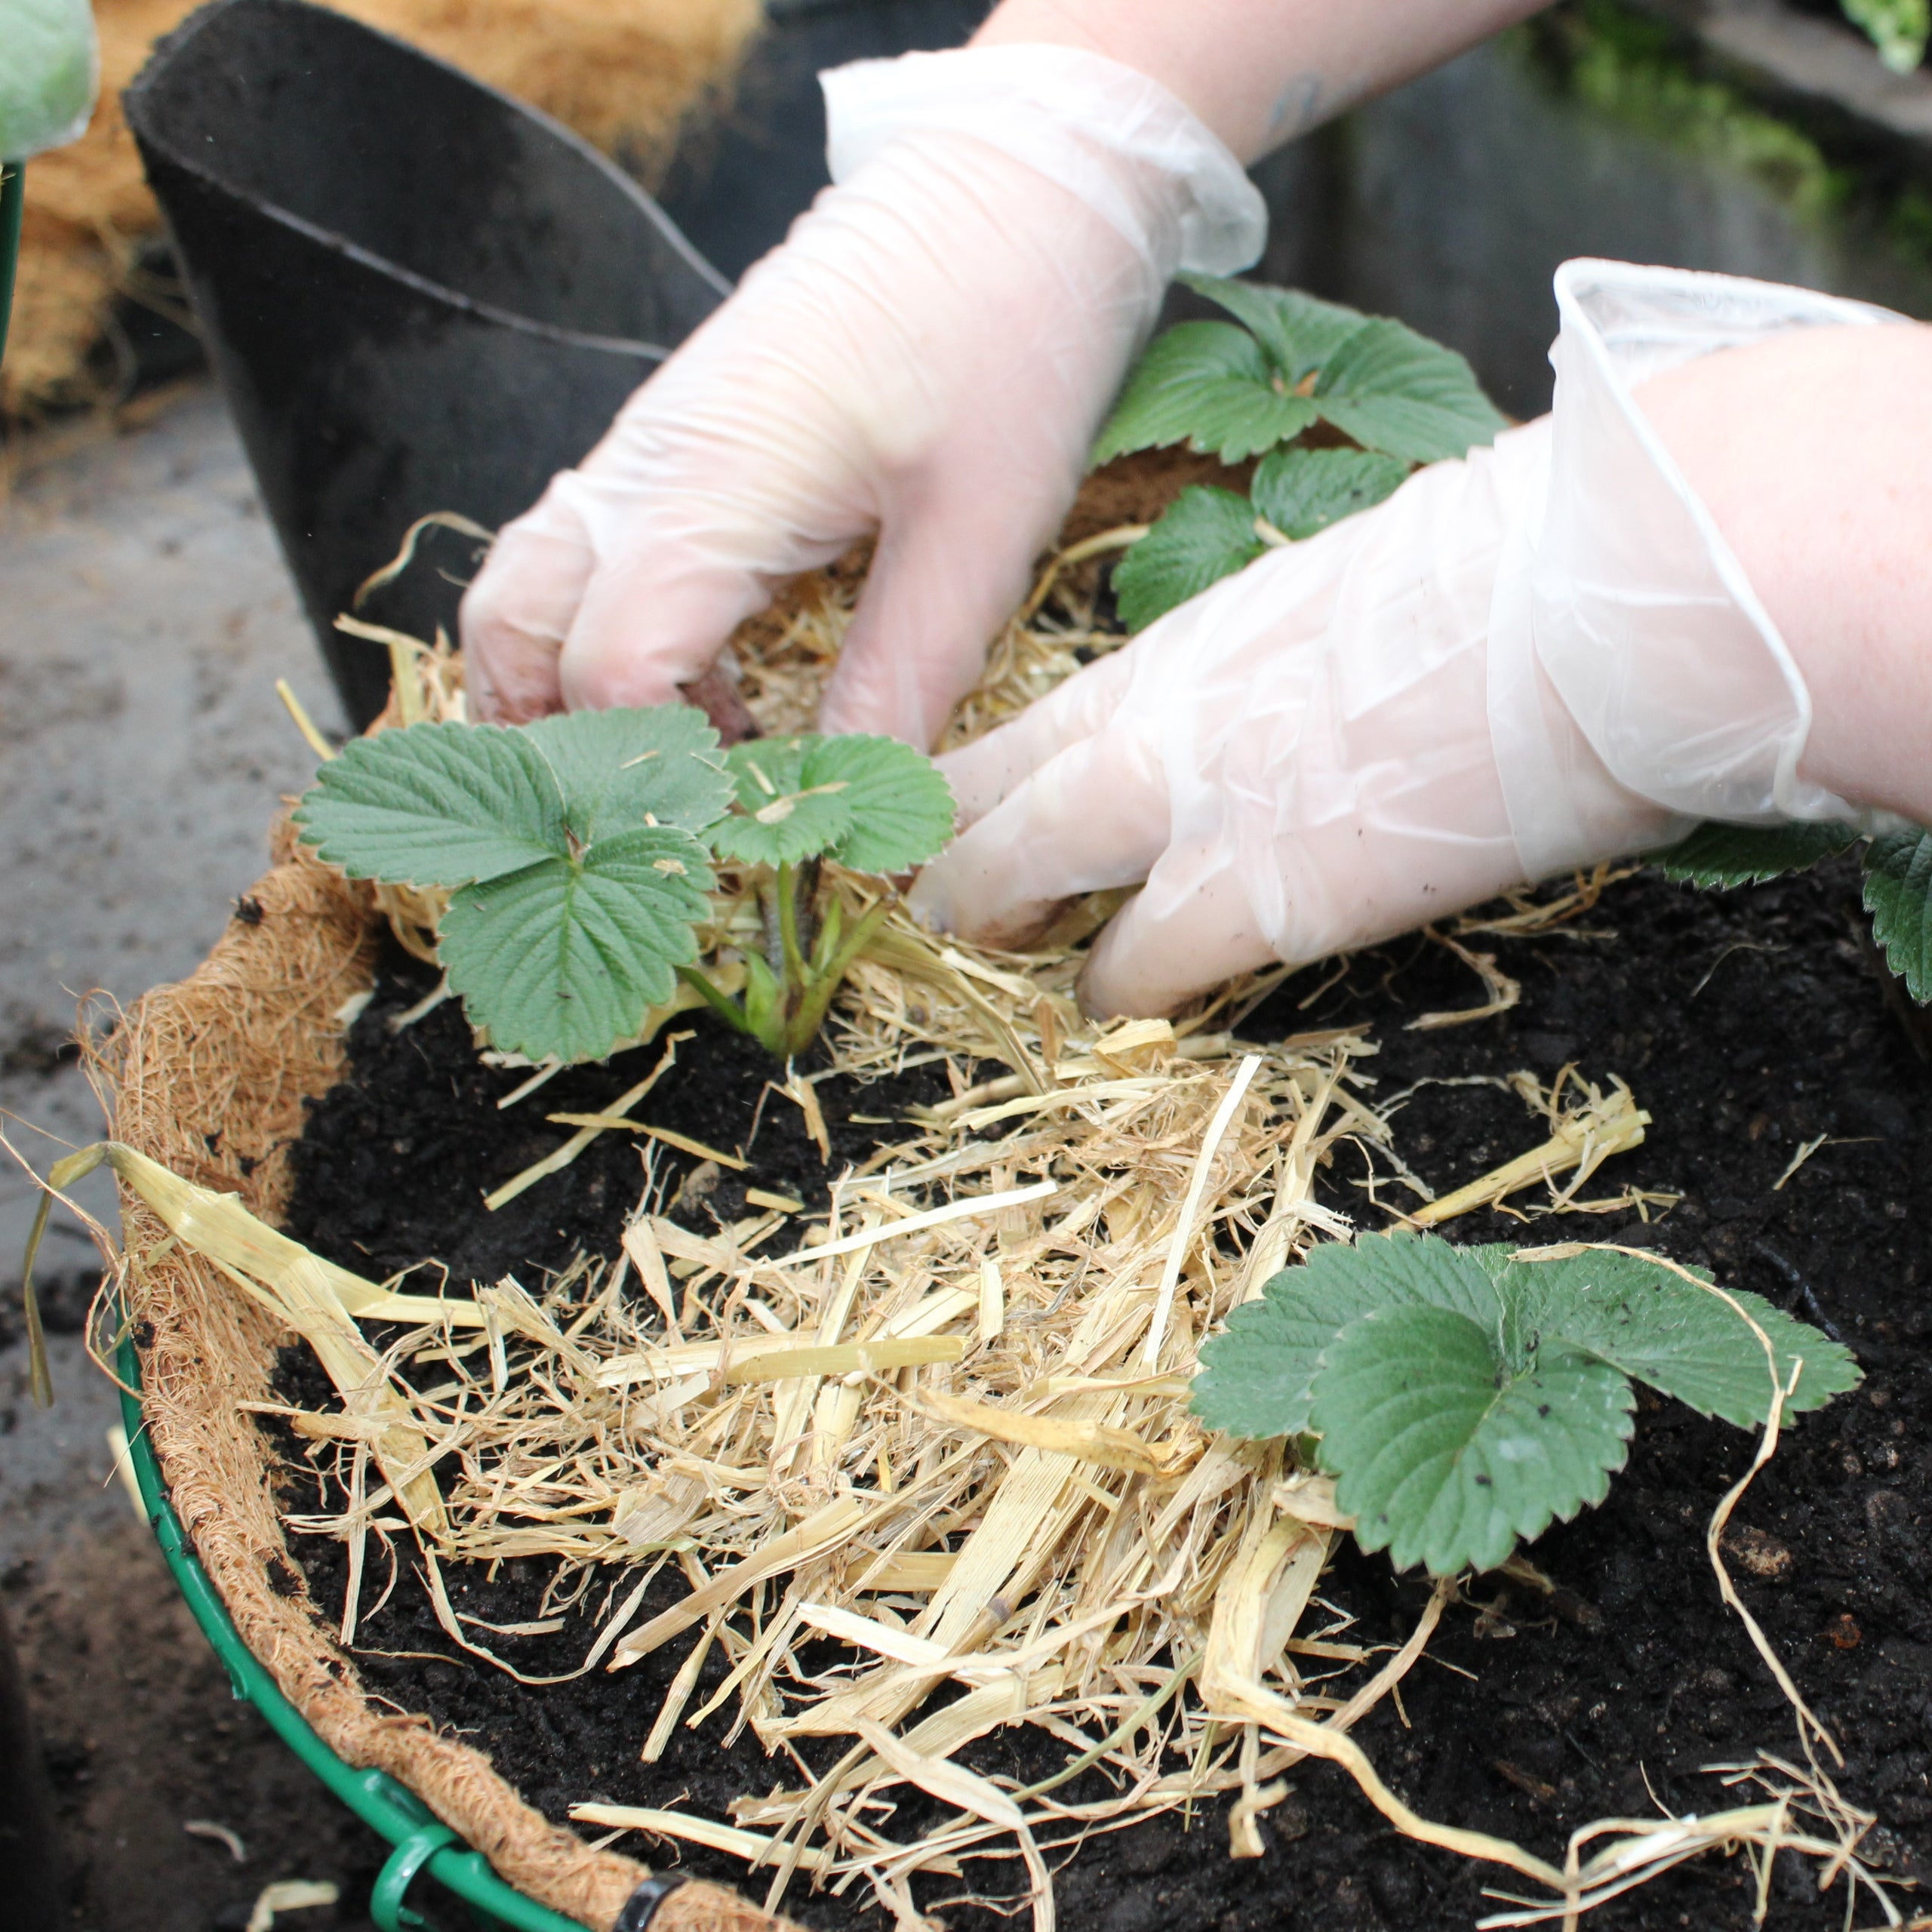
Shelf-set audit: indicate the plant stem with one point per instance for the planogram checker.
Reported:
(788, 933)
(810, 872)
(721, 1004)
(768, 906)
(811, 1010)
(13, 190)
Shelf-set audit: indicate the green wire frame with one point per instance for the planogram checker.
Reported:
(422, 1843)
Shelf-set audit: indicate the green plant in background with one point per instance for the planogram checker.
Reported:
(1641, 72)
(870, 805)
(1293, 365)
(1464, 1398)
(1897, 879)
(1898, 28)
(49, 72)
(577, 854)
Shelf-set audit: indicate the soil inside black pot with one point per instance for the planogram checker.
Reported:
(1748, 1023)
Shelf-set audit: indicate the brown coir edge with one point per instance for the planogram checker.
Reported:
(207, 1077)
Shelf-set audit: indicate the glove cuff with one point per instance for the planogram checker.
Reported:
(1093, 126)
(1630, 613)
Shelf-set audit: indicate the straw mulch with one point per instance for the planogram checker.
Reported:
(623, 73)
(944, 1426)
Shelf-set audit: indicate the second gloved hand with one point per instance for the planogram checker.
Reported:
(1297, 761)
(1540, 657)
(927, 356)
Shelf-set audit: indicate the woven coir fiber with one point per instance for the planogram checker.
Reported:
(208, 1078)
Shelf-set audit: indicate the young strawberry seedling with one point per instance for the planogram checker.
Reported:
(1259, 390)
(1463, 1397)
(578, 854)
(870, 805)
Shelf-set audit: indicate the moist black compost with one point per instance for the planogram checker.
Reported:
(1749, 1024)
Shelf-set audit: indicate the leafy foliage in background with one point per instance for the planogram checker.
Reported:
(1464, 1399)
(872, 805)
(572, 847)
(1294, 363)
(1898, 28)
(1898, 878)
(577, 851)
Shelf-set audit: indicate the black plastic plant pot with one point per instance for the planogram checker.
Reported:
(738, 179)
(418, 294)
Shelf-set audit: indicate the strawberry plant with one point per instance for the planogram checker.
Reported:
(1464, 1398)
(1897, 878)
(578, 854)
(872, 805)
(1293, 366)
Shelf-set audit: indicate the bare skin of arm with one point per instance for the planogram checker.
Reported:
(1261, 72)
(1813, 453)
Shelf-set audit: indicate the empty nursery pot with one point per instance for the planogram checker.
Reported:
(418, 294)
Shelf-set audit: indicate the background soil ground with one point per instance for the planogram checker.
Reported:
(144, 617)
(139, 1727)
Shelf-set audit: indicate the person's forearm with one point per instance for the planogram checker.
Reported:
(1259, 72)
(1813, 454)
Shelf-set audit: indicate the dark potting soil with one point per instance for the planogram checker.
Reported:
(1749, 1024)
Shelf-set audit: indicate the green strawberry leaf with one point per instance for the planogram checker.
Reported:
(1463, 1396)
(563, 957)
(763, 769)
(871, 803)
(1898, 28)
(624, 770)
(1300, 491)
(1445, 1455)
(1210, 385)
(1685, 1341)
(1717, 854)
(435, 804)
(573, 842)
(901, 807)
(783, 816)
(1257, 1378)
(1206, 534)
(1394, 391)
(1898, 894)
(1298, 332)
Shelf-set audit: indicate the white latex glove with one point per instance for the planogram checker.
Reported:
(928, 355)
(1537, 657)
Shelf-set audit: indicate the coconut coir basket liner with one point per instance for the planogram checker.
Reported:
(207, 1077)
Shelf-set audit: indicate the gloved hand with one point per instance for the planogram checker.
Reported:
(927, 355)
(1537, 657)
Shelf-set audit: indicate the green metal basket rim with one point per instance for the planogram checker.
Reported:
(387, 1806)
